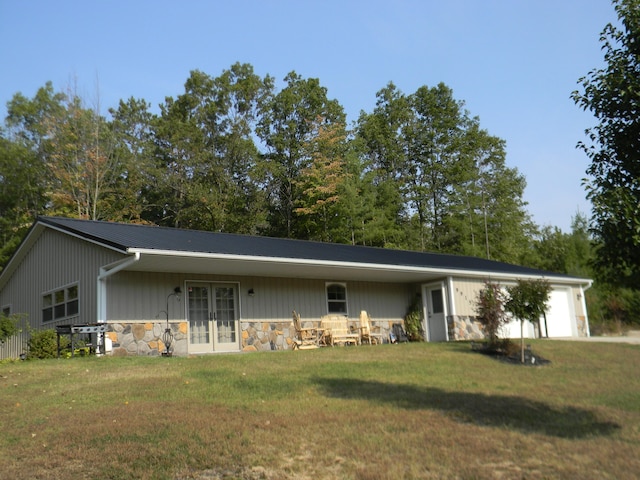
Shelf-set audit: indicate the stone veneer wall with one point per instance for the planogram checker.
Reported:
(464, 328)
(264, 336)
(468, 328)
(146, 338)
(581, 323)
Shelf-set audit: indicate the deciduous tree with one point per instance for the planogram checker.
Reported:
(612, 94)
(528, 302)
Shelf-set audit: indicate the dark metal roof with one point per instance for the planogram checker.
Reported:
(122, 236)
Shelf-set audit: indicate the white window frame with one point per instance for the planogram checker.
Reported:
(61, 304)
(334, 301)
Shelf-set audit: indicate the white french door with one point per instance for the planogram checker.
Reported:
(213, 315)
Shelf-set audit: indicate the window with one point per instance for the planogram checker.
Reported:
(337, 298)
(60, 304)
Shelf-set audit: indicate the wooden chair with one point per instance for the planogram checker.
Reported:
(335, 330)
(306, 338)
(366, 335)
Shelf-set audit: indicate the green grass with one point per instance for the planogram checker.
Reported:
(370, 412)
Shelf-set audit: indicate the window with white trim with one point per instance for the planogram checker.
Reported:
(337, 298)
(60, 304)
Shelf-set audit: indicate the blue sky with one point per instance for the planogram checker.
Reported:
(513, 62)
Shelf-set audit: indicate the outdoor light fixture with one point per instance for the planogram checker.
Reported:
(251, 292)
(167, 336)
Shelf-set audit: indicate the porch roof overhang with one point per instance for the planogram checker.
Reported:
(152, 260)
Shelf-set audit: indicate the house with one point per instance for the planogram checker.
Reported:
(220, 292)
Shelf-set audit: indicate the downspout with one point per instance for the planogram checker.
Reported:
(105, 273)
(451, 303)
(584, 306)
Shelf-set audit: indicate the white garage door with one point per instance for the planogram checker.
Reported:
(559, 315)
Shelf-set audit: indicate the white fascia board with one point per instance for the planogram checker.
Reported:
(365, 266)
(284, 260)
(84, 238)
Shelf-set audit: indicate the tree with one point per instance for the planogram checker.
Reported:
(612, 94)
(287, 122)
(490, 307)
(321, 182)
(441, 181)
(208, 172)
(380, 146)
(131, 125)
(528, 302)
(81, 161)
(22, 193)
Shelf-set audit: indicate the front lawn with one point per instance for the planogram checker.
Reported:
(368, 412)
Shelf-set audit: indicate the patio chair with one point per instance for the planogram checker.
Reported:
(335, 330)
(306, 338)
(397, 334)
(366, 335)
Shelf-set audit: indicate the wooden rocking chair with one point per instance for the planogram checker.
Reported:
(366, 335)
(306, 338)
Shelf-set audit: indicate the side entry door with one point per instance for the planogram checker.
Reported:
(436, 314)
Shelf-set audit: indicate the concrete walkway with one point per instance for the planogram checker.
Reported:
(632, 336)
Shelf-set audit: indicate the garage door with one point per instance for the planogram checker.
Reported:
(559, 315)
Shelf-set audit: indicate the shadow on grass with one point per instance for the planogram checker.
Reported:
(493, 410)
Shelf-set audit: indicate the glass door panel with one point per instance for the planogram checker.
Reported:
(226, 318)
(199, 319)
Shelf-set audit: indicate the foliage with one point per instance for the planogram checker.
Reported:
(8, 326)
(232, 153)
(289, 121)
(612, 94)
(413, 321)
(612, 309)
(44, 344)
(528, 302)
(444, 178)
(490, 309)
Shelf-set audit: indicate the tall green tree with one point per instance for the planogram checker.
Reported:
(441, 180)
(131, 125)
(288, 122)
(25, 180)
(22, 193)
(206, 161)
(434, 160)
(380, 143)
(612, 94)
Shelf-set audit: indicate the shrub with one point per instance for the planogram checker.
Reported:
(413, 321)
(8, 326)
(44, 344)
(490, 309)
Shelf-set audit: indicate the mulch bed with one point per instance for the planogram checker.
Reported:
(511, 355)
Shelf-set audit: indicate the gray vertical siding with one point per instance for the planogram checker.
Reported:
(141, 296)
(55, 260)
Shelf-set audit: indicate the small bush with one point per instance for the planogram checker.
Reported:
(413, 321)
(44, 344)
(490, 309)
(8, 326)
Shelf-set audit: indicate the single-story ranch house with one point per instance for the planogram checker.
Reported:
(228, 293)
